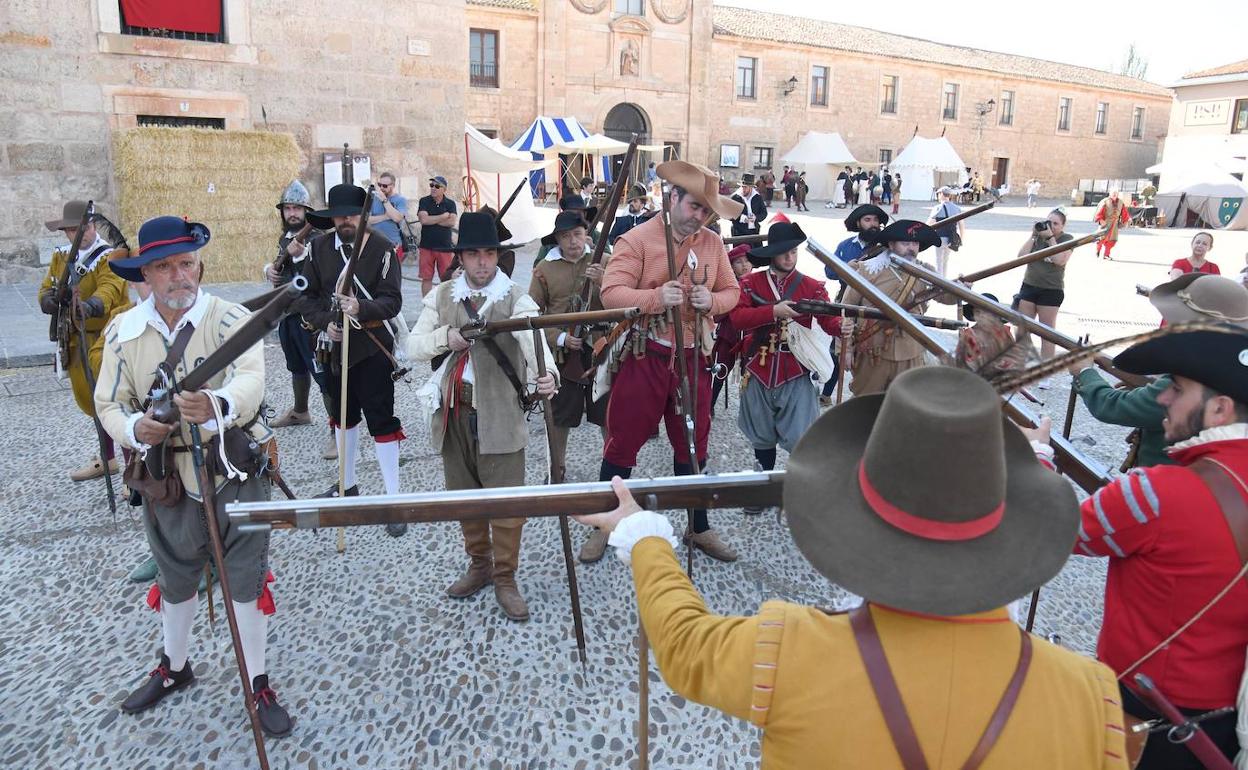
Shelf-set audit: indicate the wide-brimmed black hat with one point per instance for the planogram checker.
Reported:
(968, 309)
(344, 200)
(503, 233)
(566, 220)
(478, 230)
(904, 230)
(926, 498)
(577, 203)
(851, 221)
(1202, 297)
(1216, 359)
(782, 237)
(747, 178)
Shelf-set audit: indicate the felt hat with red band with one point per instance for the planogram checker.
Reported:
(159, 238)
(927, 499)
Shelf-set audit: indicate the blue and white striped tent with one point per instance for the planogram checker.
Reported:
(543, 133)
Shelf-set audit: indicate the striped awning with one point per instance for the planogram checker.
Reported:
(547, 132)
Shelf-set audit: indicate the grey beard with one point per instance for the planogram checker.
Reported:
(178, 304)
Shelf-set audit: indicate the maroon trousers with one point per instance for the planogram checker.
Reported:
(645, 390)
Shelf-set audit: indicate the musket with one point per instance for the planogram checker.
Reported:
(511, 199)
(484, 328)
(207, 492)
(1182, 729)
(279, 262)
(953, 220)
(260, 300)
(346, 287)
(578, 363)
(100, 435)
(819, 307)
(1086, 473)
(1143, 290)
(61, 326)
(723, 490)
(162, 407)
(1026, 259)
(733, 240)
(1031, 325)
(556, 477)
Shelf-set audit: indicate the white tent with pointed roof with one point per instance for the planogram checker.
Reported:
(926, 164)
(821, 155)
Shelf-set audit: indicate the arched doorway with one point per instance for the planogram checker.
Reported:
(622, 122)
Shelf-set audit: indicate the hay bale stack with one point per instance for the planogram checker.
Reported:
(229, 180)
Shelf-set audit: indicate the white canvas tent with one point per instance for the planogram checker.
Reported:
(1209, 199)
(821, 156)
(926, 164)
(496, 170)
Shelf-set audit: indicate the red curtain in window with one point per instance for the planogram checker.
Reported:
(178, 15)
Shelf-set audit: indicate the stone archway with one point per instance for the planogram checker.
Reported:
(622, 121)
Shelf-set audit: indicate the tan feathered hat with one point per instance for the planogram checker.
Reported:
(702, 184)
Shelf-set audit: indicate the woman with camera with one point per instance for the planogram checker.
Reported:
(1202, 244)
(1044, 283)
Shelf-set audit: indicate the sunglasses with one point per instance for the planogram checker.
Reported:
(435, 186)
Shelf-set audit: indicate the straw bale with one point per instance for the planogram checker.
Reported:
(229, 180)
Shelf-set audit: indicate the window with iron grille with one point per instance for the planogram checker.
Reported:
(179, 121)
(631, 7)
(747, 69)
(1137, 123)
(819, 86)
(762, 157)
(888, 95)
(949, 102)
(1007, 108)
(1239, 118)
(886, 157)
(1102, 117)
(1063, 113)
(483, 58)
(198, 20)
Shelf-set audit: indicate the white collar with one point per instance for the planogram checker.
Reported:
(1233, 432)
(745, 197)
(877, 263)
(493, 291)
(555, 254)
(85, 251)
(134, 321)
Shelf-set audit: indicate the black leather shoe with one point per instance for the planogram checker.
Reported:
(159, 683)
(352, 491)
(396, 530)
(274, 720)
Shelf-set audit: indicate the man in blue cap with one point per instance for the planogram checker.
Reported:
(437, 215)
(180, 325)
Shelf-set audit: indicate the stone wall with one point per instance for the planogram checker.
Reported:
(1033, 145)
(392, 84)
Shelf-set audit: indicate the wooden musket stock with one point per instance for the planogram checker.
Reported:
(485, 328)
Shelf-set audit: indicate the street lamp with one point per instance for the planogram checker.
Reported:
(789, 85)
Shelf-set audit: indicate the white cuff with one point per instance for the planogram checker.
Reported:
(130, 423)
(634, 527)
(562, 336)
(1043, 451)
(229, 413)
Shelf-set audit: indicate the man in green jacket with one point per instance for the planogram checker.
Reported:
(1190, 297)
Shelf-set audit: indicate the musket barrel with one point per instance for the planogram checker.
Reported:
(1027, 259)
(819, 307)
(725, 490)
(507, 325)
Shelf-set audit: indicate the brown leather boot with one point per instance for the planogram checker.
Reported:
(506, 538)
(480, 565)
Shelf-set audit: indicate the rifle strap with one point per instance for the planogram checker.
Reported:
(900, 728)
(498, 355)
(178, 347)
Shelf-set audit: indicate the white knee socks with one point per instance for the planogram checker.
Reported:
(388, 462)
(176, 620)
(349, 453)
(253, 628)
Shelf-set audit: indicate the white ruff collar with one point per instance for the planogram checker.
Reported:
(877, 263)
(493, 291)
(1232, 432)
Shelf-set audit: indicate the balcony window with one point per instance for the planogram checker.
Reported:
(1007, 108)
(483, 58)
(199, 20)
(819, 86)
(949, 102)
(888, 95)
(747, 69)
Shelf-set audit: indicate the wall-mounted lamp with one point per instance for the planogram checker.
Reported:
(983, 108)
(789, 85)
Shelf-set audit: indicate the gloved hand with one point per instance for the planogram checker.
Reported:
(93, 307)
(47, 302)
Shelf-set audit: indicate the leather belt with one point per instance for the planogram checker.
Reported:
(372, 324)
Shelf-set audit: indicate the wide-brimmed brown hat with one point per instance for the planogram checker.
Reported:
(702, 184)
(1202, 297)
(71, 216)
(927, 499)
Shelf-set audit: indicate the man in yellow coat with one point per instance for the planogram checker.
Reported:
(100, 294)
(941, 516)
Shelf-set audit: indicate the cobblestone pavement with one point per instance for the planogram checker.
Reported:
(379, 667)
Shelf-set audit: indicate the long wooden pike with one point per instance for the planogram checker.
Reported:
(556, 477)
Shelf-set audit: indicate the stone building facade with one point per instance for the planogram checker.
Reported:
(398, 80)
(1208, 122)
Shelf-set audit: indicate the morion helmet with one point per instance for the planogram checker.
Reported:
(295, 194)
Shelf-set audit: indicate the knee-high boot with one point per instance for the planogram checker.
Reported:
(506, 546)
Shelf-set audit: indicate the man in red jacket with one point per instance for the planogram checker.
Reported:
(1171, 545)
(778, 400)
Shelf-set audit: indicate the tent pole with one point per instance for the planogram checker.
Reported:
(468, 182)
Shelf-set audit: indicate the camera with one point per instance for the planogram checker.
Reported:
(1042, 225)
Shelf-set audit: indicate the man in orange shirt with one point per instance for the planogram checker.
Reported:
(647, 386)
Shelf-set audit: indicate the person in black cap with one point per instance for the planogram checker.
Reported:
(1176, 537)
(293, 248)
(437, 214)
(635, 215)
(882, 351)
(588, 213)
(750, 221)
(476, 421)
(180, 324)
(863, 220)
(374, 302)
(778, 399)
